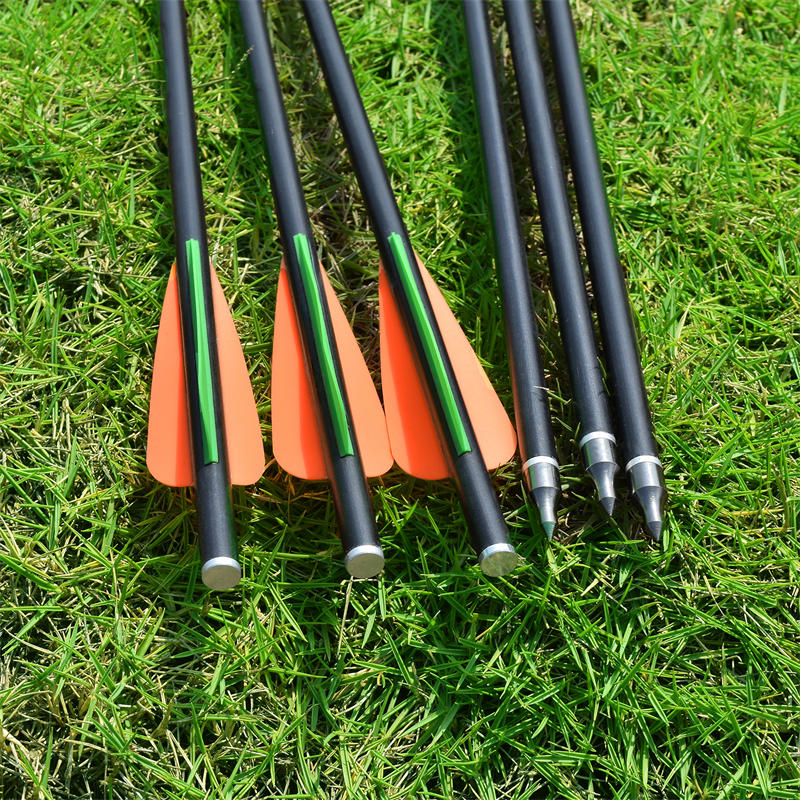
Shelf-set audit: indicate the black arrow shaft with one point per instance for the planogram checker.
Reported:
(209, 454)
(522, 334)
(568, 282)
(334, 418)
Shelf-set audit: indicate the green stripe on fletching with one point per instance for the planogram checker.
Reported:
(333, 389)
(433, 355)
(203, 356)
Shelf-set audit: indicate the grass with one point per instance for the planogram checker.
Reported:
(605, 667)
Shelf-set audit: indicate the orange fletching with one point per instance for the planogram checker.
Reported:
(245, 443)
(412, 430)
(169, 449)
(296, 438)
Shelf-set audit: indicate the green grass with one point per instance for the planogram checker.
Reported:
(604, 667)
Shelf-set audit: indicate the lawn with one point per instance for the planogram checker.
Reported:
(605, 666)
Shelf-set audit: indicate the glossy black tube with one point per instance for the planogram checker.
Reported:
(522, 334)
(355, 514)
(567, 276)
(213, 496)
(485, 522)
